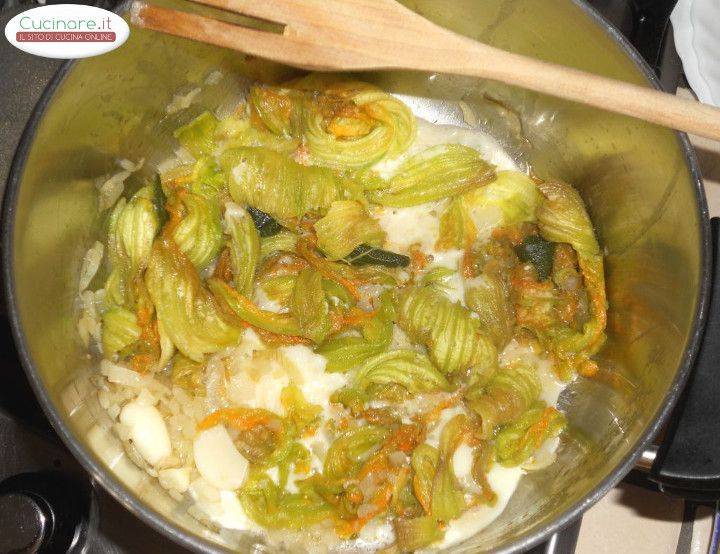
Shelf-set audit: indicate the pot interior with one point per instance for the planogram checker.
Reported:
(635, 178)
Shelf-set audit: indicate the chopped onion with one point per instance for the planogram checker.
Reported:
(112, 188)
(90, 264)
(89, 325)
(177, 479)
(468, 114)
(182, 101)
(130, 166)
(128, 378)
(214, 77)
(121, 375)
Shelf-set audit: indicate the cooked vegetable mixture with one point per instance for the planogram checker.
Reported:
(329, 319)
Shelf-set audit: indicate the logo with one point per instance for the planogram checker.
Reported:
(67, 31)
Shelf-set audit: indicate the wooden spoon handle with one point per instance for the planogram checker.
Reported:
(468, 57)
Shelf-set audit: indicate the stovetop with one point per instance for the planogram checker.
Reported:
(87, 519)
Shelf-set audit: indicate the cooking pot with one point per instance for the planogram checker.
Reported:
(640, 183)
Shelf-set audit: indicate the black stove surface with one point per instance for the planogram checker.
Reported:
(32, 458)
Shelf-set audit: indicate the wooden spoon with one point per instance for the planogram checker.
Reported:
(351, 35)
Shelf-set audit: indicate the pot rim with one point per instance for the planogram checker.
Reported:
(190, 540)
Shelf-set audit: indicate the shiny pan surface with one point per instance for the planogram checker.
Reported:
(640, 183)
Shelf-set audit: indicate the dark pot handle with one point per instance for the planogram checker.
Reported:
(687, 463)
(56, 511)
(652, 20)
